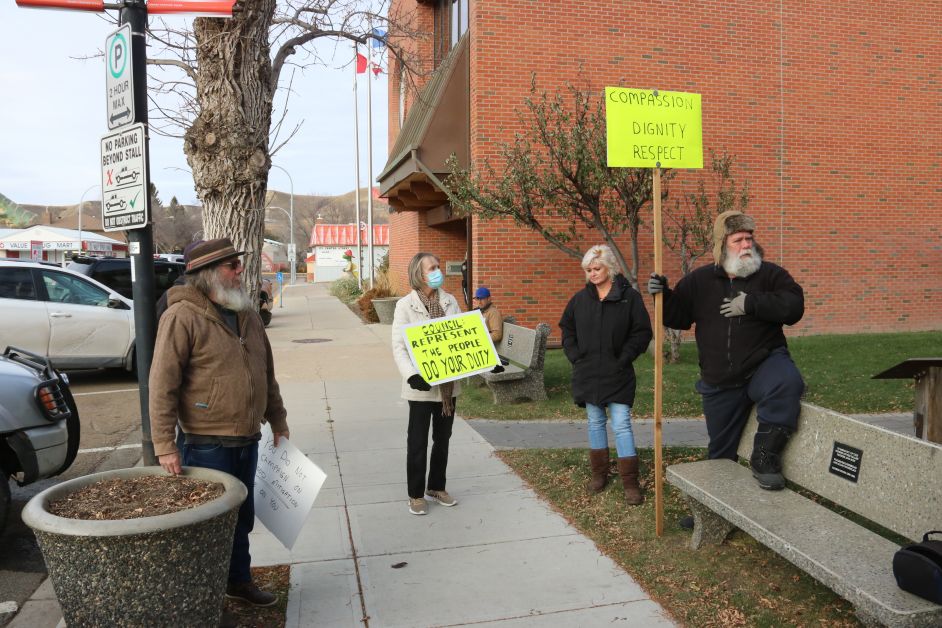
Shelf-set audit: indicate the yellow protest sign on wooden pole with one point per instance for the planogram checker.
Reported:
(652, 129)
(452, 347)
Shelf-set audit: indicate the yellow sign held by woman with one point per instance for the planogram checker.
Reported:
(450, 348)
(648, 129)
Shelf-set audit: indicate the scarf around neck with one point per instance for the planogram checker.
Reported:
(435, 310)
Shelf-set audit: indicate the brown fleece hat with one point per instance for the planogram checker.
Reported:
(727, 224)
(210, 253)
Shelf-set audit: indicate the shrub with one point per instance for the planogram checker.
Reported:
(345, 289)
(382, 287)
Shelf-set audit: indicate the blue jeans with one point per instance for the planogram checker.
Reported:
(775, 389)
(621, 425)
(240, 462)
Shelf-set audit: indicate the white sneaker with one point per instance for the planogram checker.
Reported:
(418, 506)
(442, 497)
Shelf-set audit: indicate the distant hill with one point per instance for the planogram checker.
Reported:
(307, 209)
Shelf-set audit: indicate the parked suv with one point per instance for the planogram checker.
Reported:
(115, 272)
(39, 423)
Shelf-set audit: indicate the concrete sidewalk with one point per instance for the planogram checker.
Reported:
(502, 555)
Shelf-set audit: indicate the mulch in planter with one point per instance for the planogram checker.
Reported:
(133, 498)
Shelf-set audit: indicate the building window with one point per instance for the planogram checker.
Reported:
(451, 22)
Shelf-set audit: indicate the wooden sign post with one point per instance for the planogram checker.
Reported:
(651, 129)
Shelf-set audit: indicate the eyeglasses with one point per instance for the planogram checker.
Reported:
(235, 264)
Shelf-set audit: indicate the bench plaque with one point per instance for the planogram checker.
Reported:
(845, 461)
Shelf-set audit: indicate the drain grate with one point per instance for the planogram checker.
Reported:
(307, 341)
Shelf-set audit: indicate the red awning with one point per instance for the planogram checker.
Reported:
(346, 235)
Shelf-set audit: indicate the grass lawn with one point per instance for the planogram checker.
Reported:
(837, 370)
(739, 583)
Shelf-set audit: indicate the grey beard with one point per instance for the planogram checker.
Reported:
(743, 266)
(234, 299)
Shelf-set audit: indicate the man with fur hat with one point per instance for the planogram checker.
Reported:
(739, 305)
(213, 373)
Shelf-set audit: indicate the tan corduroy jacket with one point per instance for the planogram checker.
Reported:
(211, 380)
(494, 322)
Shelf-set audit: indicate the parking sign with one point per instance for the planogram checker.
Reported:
(124, 200)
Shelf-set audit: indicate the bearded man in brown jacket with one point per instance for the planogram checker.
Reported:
(213, 373)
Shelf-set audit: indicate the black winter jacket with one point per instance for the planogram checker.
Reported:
(602, 339)
(731, 349)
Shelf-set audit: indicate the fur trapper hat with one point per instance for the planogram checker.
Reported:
(727, 224)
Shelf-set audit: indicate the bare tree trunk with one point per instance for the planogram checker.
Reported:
(633, 232)
(673, 345)
(227, 144)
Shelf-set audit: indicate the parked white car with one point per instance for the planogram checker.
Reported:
(65, 316)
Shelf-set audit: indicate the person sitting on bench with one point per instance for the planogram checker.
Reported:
(492, 318)
(739, 305)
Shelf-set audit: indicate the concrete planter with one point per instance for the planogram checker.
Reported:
(170, 569)
(385, 309)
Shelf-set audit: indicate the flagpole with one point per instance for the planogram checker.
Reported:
(356, 168)
(369, 152)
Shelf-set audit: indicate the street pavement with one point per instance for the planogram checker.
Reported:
(502, 556)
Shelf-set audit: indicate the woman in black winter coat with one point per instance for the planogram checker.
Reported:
(605, 327)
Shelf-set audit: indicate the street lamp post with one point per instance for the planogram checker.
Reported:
(293, 253)
(81, 206)
(291, 225)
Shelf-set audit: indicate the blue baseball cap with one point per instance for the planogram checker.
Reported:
(482, 293)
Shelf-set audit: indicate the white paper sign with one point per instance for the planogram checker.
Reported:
(286, 484)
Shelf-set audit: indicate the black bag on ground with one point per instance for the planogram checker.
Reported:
(918, 568)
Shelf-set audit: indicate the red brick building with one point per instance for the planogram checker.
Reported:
(833, 112)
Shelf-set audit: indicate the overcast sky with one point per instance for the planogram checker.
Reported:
(52, 116)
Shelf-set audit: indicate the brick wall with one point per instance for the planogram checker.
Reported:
(833, 112)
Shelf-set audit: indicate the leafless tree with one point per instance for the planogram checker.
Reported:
(217, 86)
(554, 179)
(175, 226)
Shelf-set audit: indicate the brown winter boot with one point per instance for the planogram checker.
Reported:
(628, 470)
(598, 460)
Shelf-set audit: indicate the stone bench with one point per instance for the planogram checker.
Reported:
(522, 379)
(888, 478)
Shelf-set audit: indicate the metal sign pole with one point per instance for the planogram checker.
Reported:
(141, 241)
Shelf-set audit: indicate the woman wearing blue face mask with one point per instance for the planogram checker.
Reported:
(428, 405)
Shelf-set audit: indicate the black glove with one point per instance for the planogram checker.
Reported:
(498, 369)
(418, 383)
(657, 284)
(735, 306)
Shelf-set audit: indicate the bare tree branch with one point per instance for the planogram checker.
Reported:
(190, 71)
